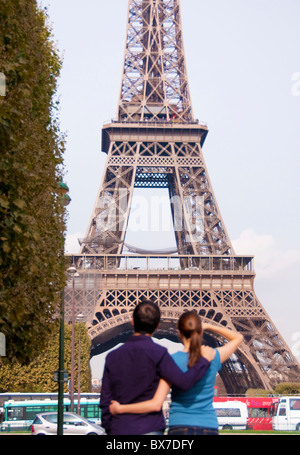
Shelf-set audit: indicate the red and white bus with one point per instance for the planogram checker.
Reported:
(259, 410)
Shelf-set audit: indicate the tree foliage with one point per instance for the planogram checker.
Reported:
(32, 216)
(259, 392)
(38, 375)
(284, 388)
(288, 388)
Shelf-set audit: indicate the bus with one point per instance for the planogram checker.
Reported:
(259, 410)
(20, 414)
(20, 396)
(286, 415)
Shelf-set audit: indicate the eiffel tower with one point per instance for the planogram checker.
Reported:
(155, 142)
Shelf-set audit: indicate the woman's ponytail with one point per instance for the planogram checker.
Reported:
(189, 325)
(195, 349)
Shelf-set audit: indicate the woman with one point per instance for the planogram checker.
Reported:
(191, 412)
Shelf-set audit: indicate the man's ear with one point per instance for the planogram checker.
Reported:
(132, 323)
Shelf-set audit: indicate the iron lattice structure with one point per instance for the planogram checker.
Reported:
(155, 142)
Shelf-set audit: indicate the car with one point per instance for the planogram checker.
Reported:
(45, 423)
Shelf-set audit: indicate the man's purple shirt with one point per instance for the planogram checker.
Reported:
(131, 374)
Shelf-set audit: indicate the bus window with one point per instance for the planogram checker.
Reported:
(282, 410)
(93, 412)
(273, 409)
(260, 412)
(294, 404)
(228, 412)
(15, 413)
(90, 411)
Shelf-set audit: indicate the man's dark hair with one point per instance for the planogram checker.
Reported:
(146, 317)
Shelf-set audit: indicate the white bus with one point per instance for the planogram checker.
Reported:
(231, 415)
(287, 414)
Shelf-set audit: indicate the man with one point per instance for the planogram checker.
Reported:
(132, 373)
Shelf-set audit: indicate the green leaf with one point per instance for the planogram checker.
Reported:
(20, 203)
(4, 202)
(17, 229)
(6, 248)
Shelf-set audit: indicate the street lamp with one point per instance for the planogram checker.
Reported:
(79, 319)
(73, 273)
(62, 191)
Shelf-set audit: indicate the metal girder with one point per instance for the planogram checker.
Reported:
(154, 81)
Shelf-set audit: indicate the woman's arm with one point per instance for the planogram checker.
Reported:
(153, 405)
(235, 339)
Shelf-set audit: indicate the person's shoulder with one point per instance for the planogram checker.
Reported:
(179, 354)
(158, 347)
(116, 351)
(217, 358)
(156, 350)
(180, 357)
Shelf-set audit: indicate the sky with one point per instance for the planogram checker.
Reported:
(243, 65)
